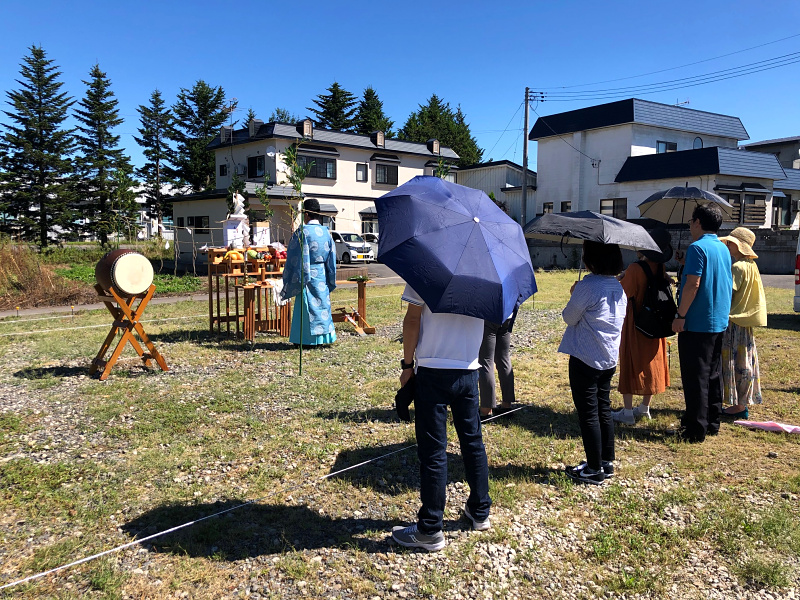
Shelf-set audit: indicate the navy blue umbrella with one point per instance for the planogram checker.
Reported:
(456, 248)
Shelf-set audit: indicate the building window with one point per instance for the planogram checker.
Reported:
(200, 225)
(329, 222)
(782, 208)
(180, 221)
(664, 147)
(255, 167)
(318, 166)
(223, 170)
(386, 174)
(451, 176)
(369, 225)
(547, 207)
(361, 172)
(698, 143)
(566, 207)
(614, 207)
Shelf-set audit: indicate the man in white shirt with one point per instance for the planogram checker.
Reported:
(446, 349)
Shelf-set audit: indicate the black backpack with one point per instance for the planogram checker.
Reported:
(654, 317)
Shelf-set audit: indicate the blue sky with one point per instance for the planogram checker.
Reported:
(477, 54)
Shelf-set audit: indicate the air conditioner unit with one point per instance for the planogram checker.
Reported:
(241, 169)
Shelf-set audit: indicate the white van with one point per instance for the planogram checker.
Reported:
(797, 278)
(351, 247)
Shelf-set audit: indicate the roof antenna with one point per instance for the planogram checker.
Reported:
(679, 103)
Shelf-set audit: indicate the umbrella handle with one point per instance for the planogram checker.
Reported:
(580, 270)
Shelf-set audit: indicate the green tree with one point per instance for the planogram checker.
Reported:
(281, 115)
(124, 208)
(36, 151)
(370, 116)
(335, 109)
(198, 114)
(437, 120)
(100, 154)
(156, 131)
(251, 114)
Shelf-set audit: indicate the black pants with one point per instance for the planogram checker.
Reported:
(701, 372)
(496, 350)
(591, 390)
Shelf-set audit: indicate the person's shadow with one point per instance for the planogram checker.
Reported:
(253, 530)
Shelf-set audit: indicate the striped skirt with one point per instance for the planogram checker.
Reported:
(740, 374)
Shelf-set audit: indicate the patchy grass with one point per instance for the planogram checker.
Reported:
(146, 451)
(165, 283)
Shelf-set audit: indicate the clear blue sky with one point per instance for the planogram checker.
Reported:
(478, 55)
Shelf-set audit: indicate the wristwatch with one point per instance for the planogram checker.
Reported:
(678, 316)
(404, 365)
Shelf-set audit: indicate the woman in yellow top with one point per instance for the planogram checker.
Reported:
(740, 373)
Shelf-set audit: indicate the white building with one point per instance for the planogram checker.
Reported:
(609, 158)
(348, 171)
(502, 178)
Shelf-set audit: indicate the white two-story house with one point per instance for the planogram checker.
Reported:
(609, 158)
(347, 172)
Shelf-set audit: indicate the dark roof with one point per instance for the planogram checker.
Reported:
(644, 112)
(516, 188)
(785, 140)
(705, 161)
(384, 158)
(792, 181)
(497, 163)
(327, 136)
(370, 210)
(275, 191)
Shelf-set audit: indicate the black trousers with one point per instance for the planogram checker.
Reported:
(701, 373)
(591, 390)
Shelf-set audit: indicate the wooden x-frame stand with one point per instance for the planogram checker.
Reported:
(126, 319)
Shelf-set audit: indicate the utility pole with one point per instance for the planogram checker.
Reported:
(525, 163)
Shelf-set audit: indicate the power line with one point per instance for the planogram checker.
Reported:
(563, 87)
(506, 129)
(668, 85)
(595, 161)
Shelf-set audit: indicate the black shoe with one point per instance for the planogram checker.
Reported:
(608, 468)
(583, 474)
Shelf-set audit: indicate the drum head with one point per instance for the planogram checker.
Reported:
(132, 274)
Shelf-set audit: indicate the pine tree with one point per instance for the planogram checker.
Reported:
(36, 152)
(335, 109)
(100, 154)
(198, 114)
(251, 114)
(281, 115)
(156, 131)
(370, 116)
(437, 120)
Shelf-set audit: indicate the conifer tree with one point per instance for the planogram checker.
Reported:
(437, 120)
(198, 114)
(370, 116)
(36, 151)
(335, 109)
(251, 114)
(156, 131)
(100, 154)
(282, 115)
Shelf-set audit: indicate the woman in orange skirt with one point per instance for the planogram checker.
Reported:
(643, 363)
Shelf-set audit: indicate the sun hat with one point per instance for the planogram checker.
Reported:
(662, 238)
(744, 239)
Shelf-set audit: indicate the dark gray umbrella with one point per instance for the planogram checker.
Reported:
(575, 227)
(675, 205)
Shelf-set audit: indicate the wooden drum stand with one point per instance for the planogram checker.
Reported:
(126, 319)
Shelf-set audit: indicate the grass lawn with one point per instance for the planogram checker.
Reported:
(88, 465)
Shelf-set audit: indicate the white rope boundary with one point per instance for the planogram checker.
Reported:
(221, 512)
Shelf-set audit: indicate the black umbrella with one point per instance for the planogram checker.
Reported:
(675, 205)
(575, 227)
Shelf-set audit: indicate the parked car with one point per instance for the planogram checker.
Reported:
(351, 247)
(797, 278)
(372, 239)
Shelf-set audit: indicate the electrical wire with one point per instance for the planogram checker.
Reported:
(676, 84)
(595, 161)
(563, 87)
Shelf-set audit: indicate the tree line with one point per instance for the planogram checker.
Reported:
(59, 182)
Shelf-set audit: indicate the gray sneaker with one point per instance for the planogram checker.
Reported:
(410, 537)
(620, 416)
(477, 525)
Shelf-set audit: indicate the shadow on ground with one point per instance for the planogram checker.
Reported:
(204, 337)
(786, 322)
(47, 372)
(253, 530)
